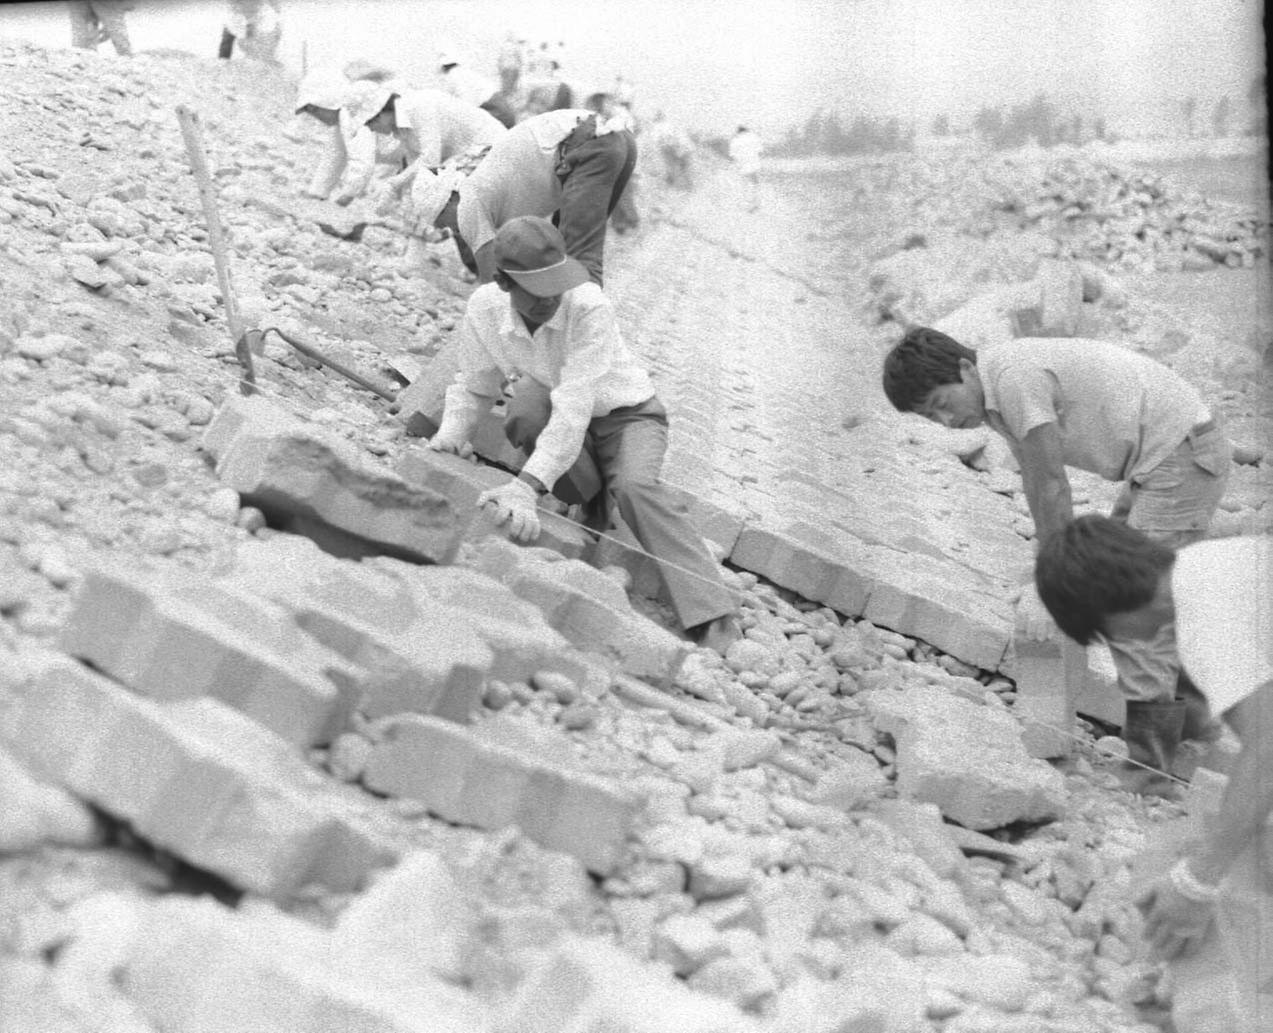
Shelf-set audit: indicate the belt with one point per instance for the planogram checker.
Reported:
(1201, 428)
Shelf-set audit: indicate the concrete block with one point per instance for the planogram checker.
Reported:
(412, 924)
(420, 659)
(1050, 677)
(293, 472)
(239, 412)
(945, 605)
(175, 635)
(1101, 697)
(462, 779)
(965, 757)
(462, 482)
(520, 639)
(590, 610)
(193, 777)
(197, 967)
(590, 986)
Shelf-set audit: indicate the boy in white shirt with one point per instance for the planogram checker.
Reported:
(604, 431)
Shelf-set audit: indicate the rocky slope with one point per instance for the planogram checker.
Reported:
(775, 870)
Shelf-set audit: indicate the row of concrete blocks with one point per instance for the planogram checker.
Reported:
(940, 602)
(207, 782)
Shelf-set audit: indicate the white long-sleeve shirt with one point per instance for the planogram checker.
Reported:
(578, 355)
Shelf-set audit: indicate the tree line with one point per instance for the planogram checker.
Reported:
(1006, 127)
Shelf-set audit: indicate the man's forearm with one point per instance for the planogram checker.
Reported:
(1246, 805)
(1049, 499)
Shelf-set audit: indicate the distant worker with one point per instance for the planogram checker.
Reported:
(94, 21)
(349, 165)
(599, 433)
(744, 151)
(433, 128)
(612, 117)
(257, 26)
(1213, 909)
(674, 146)
(464, 84)
(1113, 412)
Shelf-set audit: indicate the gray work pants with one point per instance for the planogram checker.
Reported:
(619, 469)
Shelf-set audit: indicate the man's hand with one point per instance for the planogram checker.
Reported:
(1174, 924)
(456, 446)
(514, 503)
(1032, 619)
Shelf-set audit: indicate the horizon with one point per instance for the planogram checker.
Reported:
(712, 64)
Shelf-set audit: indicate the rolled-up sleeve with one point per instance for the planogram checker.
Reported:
(574, 399)
(477, 383)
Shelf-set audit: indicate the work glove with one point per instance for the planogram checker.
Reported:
(1032, 619)
(514, 503)
(457, 446)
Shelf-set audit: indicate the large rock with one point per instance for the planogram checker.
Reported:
(967, 758)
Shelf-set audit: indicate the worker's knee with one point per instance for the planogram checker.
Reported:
(527, 416)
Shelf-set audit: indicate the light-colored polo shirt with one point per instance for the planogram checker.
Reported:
(1223, 593)
(578, 355)
(433, 125)
(517, 177)
(1119, 413)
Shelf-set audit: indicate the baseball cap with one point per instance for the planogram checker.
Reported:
(532, 252)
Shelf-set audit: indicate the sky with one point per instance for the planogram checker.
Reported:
(711, 64)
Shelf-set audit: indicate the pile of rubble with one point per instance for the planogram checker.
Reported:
(1133, 220)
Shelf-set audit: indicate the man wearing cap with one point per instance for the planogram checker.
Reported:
(604, 434)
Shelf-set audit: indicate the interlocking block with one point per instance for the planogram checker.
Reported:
(427, 660)
(176, 635)
(519, 636)
(292, 472)
(463, 779)
(818, 569)
(197, 967)
(587, 984)
(1050, 677)
(945, 605)
(462, 482)
(965, 757)
(193, 777)
(589, 609)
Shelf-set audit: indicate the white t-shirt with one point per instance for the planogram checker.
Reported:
(1119, 413)
(1223, 593)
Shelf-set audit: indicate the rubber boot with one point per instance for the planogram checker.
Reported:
(1152, 733)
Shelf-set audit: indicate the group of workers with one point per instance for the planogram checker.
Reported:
(1189, 622)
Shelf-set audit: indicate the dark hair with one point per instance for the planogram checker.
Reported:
(924, 359)
(1095, 567)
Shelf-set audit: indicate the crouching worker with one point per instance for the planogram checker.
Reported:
(1098, 407)
(1098, 577)
(603, 437)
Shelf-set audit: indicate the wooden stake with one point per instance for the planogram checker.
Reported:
(190, 131)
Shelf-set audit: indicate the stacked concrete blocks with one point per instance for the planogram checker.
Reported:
(463, 779)
(176, 635)
(301, 477)
(192, 776)
(589, 608)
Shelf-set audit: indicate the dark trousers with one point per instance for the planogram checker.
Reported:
(593, 170)
(620, 466)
